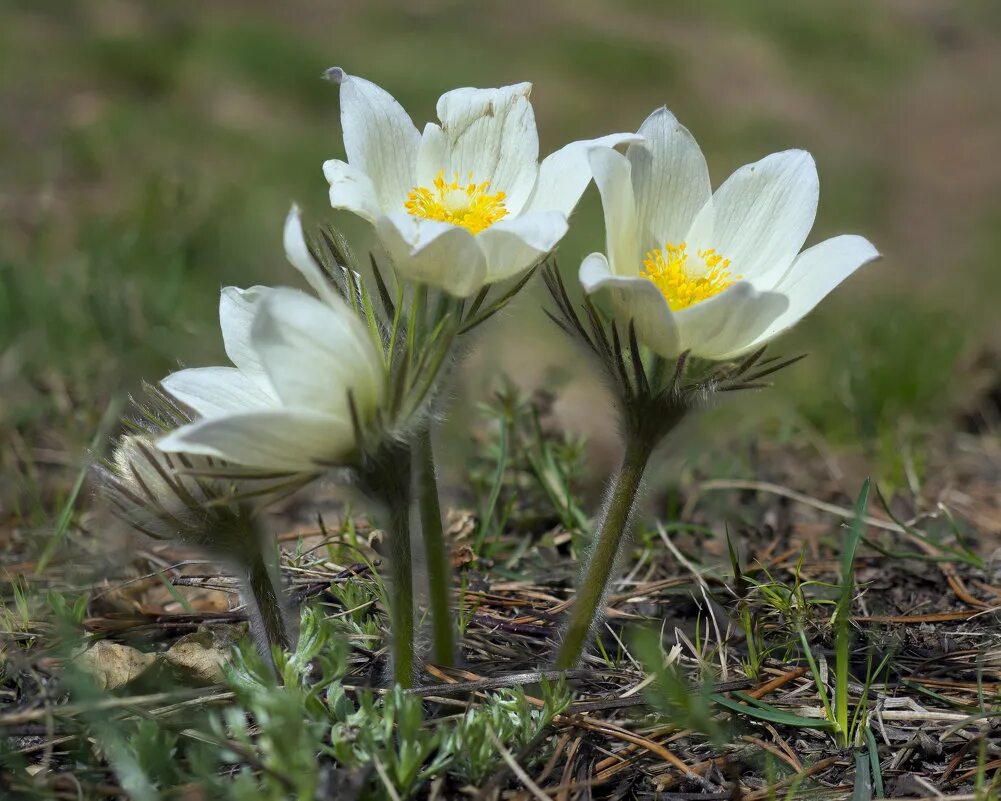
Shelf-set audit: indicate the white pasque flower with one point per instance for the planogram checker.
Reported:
(465, 203)
(285, 405)
(717, 274)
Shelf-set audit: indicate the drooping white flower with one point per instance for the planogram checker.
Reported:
(717, 274)
(466, 202)
(285, 405)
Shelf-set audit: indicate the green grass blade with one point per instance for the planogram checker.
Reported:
(877, 774)
(108, 419)
(815, 671)
(963, 553)
(843, 614)
(174, 593)
(773, 715)
(495, 490)
(863, 782)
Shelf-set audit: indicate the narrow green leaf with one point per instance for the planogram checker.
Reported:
(773, 715)
(111, 413)
(863, 783)
(842, 642)
(495, 489)
(877, 773)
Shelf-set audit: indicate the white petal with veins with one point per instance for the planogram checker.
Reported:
(213, 391)
(295, 440)
(380, 138)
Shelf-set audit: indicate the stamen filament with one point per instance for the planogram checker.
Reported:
(468, 205)
(669, 270)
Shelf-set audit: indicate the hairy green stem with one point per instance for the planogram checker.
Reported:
(386, 480)
(265, 611)
(604, 553)
(435, 551)
(401, 593)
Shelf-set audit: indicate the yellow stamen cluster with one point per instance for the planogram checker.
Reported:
(668, 269)
(468, 205)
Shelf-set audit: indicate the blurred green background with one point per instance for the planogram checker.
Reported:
(150, 150)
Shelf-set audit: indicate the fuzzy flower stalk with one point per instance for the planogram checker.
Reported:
(459, 206)
(191, 500)
(691, 288)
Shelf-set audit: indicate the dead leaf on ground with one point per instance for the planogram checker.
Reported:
(113, 665)
(197, 659)
(200, 656)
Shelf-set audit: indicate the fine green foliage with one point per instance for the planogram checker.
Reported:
(276, 740)
(522, 468)
(358, 598)
(388, 733)
(740, 589)
(799, 604)
(506, 717)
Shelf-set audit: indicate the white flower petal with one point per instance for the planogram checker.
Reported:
(379, 137)
(435, 253)
(431, 155)
(516, 243)
(565, 174)
(212, 391)
(297, 252)
(814, 274)
(237, 308)
(701, 236)
(670, 180)
(633, 299)
(277, 439)
(728, 324)
(316, 352)
(612, 177)
(491, 136)
(351, 189)
(763, 214)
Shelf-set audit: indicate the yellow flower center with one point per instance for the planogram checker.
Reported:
(468, 205)
(682, 287)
